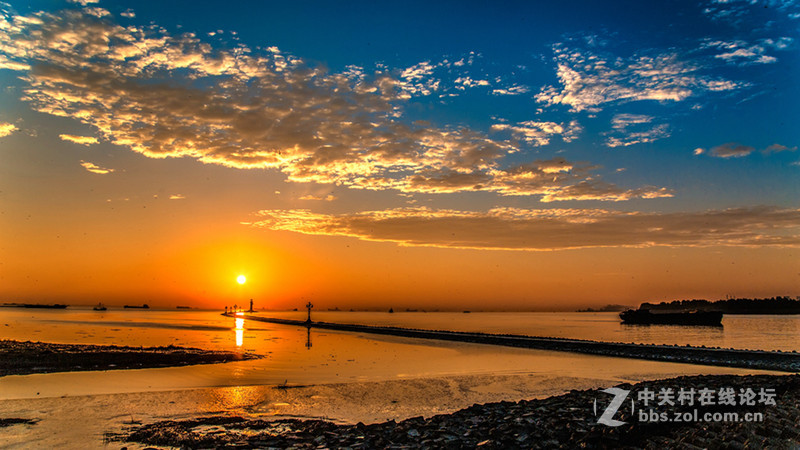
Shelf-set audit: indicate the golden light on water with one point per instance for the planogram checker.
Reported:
(239, 331)
(241, 279)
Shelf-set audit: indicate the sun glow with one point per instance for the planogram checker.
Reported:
(241, 279)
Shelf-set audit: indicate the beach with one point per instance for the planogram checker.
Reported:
(564, 421)
(337, 377)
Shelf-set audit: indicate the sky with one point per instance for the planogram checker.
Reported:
(455, 155)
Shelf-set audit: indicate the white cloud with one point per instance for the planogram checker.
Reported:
(744, 53)
(540, 133)
(630, 129)
(589, 80)
(511, 90)
(736, 12)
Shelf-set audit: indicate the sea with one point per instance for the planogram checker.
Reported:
(339, 376)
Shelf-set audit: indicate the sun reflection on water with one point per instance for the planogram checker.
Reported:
(236, 398)
(239, 331)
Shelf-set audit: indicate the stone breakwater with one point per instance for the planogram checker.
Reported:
(22, 358)
(565, 421)
(750, 359)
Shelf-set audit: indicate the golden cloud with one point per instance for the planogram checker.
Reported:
(547, 229)
(168, 96)
(6, 129)
(82, 140)
(94, 168)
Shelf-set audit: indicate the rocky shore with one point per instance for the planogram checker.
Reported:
(22, 358)
(565, 421)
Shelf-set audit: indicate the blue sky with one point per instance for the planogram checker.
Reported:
(529, 126)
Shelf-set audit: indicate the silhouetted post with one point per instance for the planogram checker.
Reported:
(251, 305)
(309, 306)
(226, 309)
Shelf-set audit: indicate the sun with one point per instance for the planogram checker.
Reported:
(241, 279)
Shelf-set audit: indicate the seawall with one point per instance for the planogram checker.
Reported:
(751, 359)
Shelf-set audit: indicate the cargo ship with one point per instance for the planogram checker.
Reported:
(645, 317)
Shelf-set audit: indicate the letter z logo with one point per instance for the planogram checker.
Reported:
(607, 418)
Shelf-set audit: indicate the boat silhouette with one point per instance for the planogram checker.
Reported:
(54, 306)
(645, 317)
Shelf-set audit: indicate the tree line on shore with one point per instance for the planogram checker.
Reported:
(772, 305)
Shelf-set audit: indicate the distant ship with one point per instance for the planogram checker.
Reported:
(145, 306)
(37, 305)
(100, 307)
(645, 317)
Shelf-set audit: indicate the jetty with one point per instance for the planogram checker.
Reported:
(750, 359)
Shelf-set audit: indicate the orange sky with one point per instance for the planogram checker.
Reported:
(149, 157)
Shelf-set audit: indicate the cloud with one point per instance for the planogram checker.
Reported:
(539, 133)
(173, 96)
(630, 129)
(736, 150)
(744, 53)
(327, 198)
(82, 140)
(555, 179)
(589, 80)
(94, 168)
(775, 148)
(177, 197)
(511, 90)
(699, 151)
(7, 128)
(736, 12)
(731, 150)
(548, 229)
(128, 13)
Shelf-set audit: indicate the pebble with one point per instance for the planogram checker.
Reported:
(565, 421)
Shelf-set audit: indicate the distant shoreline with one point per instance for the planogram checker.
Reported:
(24, 358)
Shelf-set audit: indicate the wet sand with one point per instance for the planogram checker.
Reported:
(22, 358)
(564, 421)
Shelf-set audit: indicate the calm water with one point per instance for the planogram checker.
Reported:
(347, 377)
(207, 329)
(754, 332)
